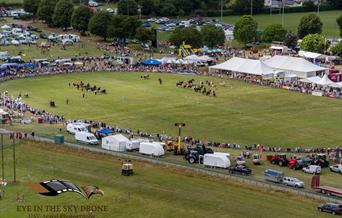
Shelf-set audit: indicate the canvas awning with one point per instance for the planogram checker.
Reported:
(308, 54)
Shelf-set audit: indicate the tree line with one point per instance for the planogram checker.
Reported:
(309, 30)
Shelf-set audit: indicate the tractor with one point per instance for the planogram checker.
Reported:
(256, 159)
(321, 160)
(279, 159)
(195, 155)
(300, 162)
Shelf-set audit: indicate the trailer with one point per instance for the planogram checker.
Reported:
(324, 189)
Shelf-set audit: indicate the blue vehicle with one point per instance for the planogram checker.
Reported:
(274, 175)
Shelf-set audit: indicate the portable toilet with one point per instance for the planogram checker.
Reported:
(59, 139)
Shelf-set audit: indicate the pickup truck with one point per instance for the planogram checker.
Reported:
(241, 170)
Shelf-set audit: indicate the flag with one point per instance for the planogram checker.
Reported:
(260, 151)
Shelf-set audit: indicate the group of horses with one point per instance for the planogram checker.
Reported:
(206, 88)
(87, 87)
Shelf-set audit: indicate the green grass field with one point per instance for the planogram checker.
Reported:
(291, 21)
(154, 191)
(242, 113)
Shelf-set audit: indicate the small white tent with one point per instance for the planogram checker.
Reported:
(115, 142)
(324, 81)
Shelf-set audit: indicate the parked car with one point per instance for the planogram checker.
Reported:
(294, 182)
(337, 168)
(93, 4)
(110, 10)
(241, 170)
(330, 208)
(43, 36)
(313, 169)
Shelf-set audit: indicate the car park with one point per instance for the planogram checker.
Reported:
(330, 208)
(337, 168)
(294, 182)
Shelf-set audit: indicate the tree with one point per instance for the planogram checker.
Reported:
(290, 40)
(31, 6)
(213, 36)
(127, 7)
(62, 14)
(148, 6)
(313, 43)
(337, 49)
(167, 9)
(245, 30)
(244, 6)
(339, 23)
(80, 18)
(337, 4)
(123, 27)
(99, 24)
(144, 34)
(188, 35)
(45, 10)
(309, 24)
(274, 32)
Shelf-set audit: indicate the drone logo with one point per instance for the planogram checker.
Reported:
(55, 187)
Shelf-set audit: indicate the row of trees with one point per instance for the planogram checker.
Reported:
(209, 35)
(200, 7)
(309, 29)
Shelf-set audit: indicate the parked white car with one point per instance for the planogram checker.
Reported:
(337, 168)
(294, 182)
(313, 169)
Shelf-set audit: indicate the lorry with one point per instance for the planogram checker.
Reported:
(274, 175)
(315, 184)
(86, 138)
(216, 159)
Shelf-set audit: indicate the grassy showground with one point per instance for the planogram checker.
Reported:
(154, 191)
(291, 21)
(241, 113)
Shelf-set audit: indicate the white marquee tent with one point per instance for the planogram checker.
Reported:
(299, 66)
(242, 65)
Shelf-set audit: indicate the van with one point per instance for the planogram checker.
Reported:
(217, 159)
(86, 137)
(76, 127)
(274, 175)
(313, 169)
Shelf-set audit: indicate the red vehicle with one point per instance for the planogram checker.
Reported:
(279, 159)
(325, 189)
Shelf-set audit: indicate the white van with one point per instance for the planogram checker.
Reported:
(86, 137)
(151, 148)
(73, 128)
(313, 169)
(218, 159)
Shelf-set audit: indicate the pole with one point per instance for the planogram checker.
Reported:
(251, 7)
(2, 159)
(221, 10)
(318, 4)
(14, 163)
(282, 17)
